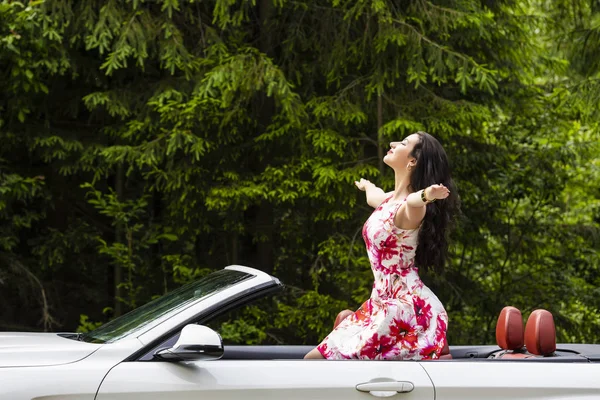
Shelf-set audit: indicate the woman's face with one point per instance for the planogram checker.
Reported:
(398, 156)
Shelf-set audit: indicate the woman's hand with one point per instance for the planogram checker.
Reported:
(436, 192)
(364, 184)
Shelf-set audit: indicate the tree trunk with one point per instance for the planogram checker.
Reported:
(235, 248)
(380, 144)
(119, 238)
(265, 7)
(264, 225)
(264, 217)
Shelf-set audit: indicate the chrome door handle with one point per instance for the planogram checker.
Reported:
(385, 388)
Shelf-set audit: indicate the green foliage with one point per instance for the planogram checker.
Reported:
(148, 143)
(85, 325)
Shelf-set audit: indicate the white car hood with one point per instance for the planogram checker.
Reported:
(19, 349)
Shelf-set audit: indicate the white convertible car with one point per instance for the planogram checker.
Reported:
(162, 350)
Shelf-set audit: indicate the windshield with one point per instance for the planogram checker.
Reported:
(164, 307)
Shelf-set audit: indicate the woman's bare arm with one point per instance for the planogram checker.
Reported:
(375, 195)
(412, 212)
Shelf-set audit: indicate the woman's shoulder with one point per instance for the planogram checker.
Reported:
(386, 200)
(391, 202)
(394, 207)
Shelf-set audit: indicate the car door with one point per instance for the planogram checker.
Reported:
(504, 380)
(266, 379)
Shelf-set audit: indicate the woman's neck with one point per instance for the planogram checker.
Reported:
(402, 185)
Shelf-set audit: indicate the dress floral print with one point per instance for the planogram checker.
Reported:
(403, 319)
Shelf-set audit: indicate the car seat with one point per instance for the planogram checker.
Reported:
(509, 334)
(540, 333)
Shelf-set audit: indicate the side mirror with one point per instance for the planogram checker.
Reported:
(196, 342)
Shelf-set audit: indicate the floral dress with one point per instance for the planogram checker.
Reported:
(403, 319)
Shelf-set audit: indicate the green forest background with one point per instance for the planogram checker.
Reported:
(144, 144)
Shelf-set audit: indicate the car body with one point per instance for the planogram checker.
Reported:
(162, 350)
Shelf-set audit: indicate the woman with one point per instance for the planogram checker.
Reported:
(403, 319)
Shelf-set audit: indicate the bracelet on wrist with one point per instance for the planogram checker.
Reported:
(425, 198)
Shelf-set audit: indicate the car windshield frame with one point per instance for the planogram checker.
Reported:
(160, 309)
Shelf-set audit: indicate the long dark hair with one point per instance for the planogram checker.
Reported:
(432, 168)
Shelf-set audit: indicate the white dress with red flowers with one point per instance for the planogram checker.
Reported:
(403, 319)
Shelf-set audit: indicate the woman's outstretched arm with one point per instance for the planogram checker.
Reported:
(410, 215)
(375, 195)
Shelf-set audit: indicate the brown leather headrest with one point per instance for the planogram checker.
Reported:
(540, 333)
(509, 329)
